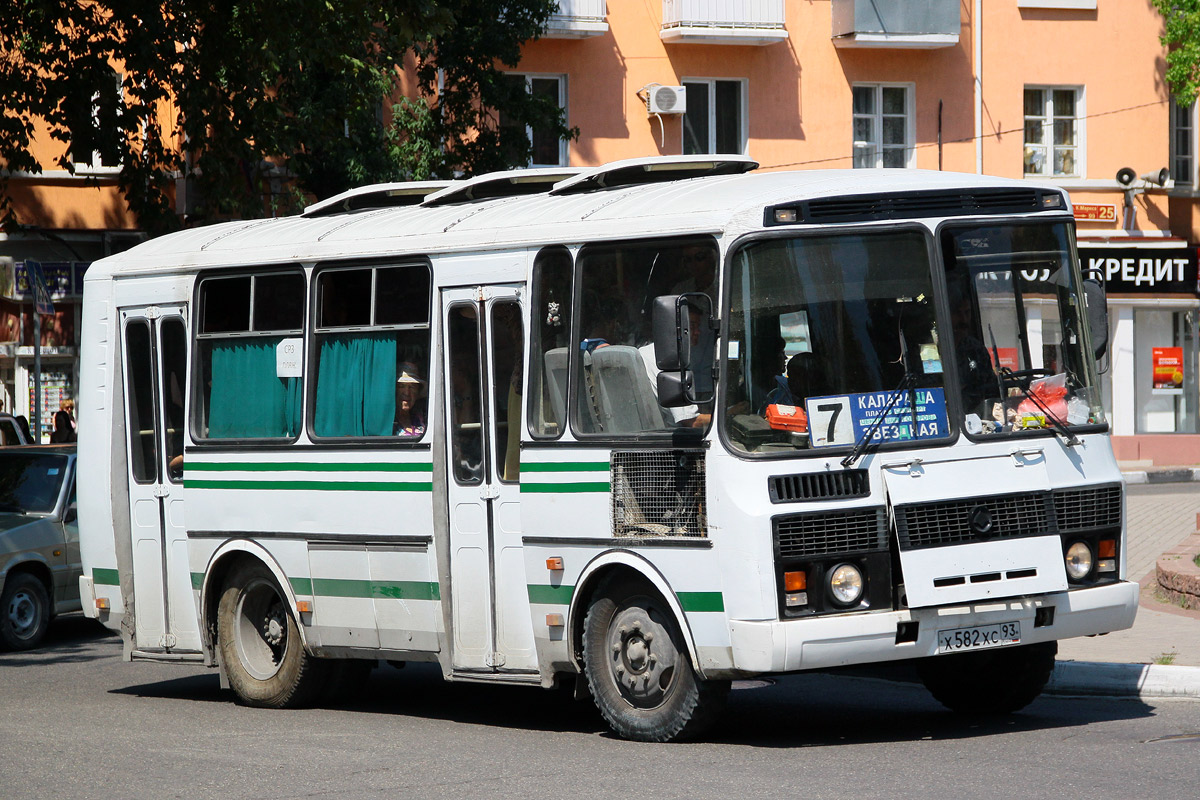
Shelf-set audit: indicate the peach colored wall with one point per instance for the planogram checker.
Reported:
(70, 204)
(800, 99)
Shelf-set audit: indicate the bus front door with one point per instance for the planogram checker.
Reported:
(155, 364)
(492, 630)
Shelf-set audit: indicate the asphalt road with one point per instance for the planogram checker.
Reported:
(77, 722)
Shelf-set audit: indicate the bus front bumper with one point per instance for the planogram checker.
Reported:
(791, 645)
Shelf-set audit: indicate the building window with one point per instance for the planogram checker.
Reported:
(1183, 144)
(548, 149)
(882, 126)
(1053, 131)
(100, 112)
(715, 117)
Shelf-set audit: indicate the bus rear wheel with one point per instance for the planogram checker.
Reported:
(997, 681)
(638, 669)
(259, 641)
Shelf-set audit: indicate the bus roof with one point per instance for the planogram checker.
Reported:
(714, 205)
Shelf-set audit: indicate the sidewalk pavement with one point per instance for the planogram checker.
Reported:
(1159, 656)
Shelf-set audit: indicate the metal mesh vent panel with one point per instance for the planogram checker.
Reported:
(820, 486)
(935, 524)
(1095, 507)
(824, 533)
(658, 493)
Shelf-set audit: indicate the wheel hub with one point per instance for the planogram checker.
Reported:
(22, 613)
(643, 656)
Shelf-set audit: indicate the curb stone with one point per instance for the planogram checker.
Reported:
(1170, 475)
(1124, 680)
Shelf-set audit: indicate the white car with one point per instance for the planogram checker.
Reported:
(39, 542)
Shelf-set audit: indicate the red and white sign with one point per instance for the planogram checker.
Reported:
(1168, 369)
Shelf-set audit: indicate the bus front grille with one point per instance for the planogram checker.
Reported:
(973, 519)
(861, 530)
(1090, 507)
(840, 485)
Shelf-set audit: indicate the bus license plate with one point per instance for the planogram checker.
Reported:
(999, 635)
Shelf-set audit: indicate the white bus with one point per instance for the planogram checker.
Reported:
(650, 427)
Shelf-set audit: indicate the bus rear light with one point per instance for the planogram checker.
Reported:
(795, 581)
(554, 564)
(1107, 548)
(304, 606)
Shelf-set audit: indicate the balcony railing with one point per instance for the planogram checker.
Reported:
(578, 19)
(871, 23)
(756, 22)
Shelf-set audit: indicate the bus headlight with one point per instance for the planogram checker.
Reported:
(1078, 561)
(846, 584)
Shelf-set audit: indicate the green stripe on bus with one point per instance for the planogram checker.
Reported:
(388, 590)
(564, 466)
(566, 488)
(701, 601)
(315, 486)
(301, 585)
(105, 577)
(550, 595)
(287, 466)
(197, 580)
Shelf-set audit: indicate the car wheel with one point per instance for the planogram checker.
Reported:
(259, 641)
(24, 612)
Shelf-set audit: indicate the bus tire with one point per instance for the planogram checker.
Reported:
(259, 641)
(638, 668)
(24, 612)
(997, 681)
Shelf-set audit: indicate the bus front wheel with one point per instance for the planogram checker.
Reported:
(261, 650)
(996, 681)
(638, 669)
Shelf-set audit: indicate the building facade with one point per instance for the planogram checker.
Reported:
(1066, 91)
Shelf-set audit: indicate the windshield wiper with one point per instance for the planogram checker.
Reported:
(860, 446)
(1058, 426)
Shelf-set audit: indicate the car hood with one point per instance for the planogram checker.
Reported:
(10, 521)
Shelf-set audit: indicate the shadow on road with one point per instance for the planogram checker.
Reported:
(70, 638)
(806, 710)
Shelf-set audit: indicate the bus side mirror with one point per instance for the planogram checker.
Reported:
(678, 322)
(1096, 301)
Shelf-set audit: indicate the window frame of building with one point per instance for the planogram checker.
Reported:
(530, 78)
(712, 97)
(95, 165)
(1183, 159)
(876, 116)
(1048, 119)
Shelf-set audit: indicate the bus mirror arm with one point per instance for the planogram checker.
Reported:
(1096, 304)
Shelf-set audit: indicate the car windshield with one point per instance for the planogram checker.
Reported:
(833, 343)
(1021, 346)
(30, 482)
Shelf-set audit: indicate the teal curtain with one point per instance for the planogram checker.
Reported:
(356, 385)
(247, 399)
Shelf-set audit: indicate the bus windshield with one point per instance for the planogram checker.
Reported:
(833, 341)
(1021, 343)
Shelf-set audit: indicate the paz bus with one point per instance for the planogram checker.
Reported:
(649, 427)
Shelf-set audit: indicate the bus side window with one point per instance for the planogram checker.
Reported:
(550, 330)
(372, 340)
(242, 321)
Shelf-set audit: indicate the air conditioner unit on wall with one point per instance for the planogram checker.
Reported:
(666, 100)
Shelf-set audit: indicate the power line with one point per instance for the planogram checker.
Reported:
(994, 134)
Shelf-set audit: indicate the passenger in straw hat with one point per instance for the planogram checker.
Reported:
(410, 417)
